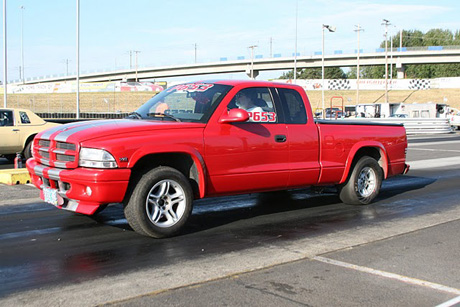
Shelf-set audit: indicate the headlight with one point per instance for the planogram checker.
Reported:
(97, 158)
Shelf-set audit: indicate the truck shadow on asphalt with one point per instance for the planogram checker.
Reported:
(295, 212)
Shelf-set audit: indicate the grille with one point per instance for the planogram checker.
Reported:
(44, 143)
(56, 154)
(66, 146)
(65, 158)
(45, 154)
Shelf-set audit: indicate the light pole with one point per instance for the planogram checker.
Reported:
(5, 61)
(386, 23)
(295, 47)
(22, 7)
(136, 52)
(66, 62)
(195, 53)
(330, 29)
(78, 60)
(391, 58)
(252, 60)
(358, 72)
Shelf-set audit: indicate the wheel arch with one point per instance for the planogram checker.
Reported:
(190, 165)
(372, 149)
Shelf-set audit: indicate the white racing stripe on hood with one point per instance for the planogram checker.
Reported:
(48, 133)
(63, 136)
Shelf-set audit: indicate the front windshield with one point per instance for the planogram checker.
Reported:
(190, 102)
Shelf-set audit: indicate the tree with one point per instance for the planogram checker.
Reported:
(416, 38)
(316, 73)
(410, 38)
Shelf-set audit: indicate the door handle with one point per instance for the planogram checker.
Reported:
(280, 138)
(16, 130)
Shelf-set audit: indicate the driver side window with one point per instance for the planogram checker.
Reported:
(257, 102)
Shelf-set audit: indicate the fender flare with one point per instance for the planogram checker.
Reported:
(366, 144)
(194, 154)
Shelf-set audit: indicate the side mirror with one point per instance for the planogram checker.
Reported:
(234, 116)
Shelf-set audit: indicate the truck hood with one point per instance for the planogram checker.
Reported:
(87, 130)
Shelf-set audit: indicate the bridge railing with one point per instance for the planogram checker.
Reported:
(257, 57)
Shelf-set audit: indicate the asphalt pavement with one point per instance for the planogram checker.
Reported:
(294, 249)
(413, 269)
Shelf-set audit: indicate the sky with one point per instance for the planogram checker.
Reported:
(176, 31)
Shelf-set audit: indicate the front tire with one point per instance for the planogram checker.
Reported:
(160, 203)
(364, 183)
(27, 153)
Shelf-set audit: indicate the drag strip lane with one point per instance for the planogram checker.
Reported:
(103, 260)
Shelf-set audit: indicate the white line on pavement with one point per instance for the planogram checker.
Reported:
(433, 143)
(430, 149)
(451, 302)
(394, 276)
(434, 163)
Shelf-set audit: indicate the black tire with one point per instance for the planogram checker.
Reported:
(27, 153)
(364, 183)
(160, 203)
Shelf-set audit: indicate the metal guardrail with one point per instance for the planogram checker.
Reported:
(416, 125)
(427, 126)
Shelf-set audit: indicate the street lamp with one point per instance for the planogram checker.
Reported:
(386, 23)
(391, 58)
(78, 60)
(295, 48)
(358, 29)
(252, 60)
(21, 71)
(330, 29)
(136, 52)
(66, 62)
(5, 60)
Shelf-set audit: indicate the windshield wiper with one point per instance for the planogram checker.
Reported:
(134, 115)
(163, 115)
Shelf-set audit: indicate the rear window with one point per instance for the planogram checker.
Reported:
(293, 106)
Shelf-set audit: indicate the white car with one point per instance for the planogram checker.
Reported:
(18, 128)
(455, 120)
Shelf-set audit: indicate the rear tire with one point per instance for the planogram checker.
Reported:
(364, 183)
(160, 203)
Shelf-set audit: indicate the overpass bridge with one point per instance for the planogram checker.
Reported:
(431, 55)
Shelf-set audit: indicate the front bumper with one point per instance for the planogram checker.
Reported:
(81, 190)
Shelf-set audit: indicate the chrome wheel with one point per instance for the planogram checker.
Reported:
(367, 181)
(363, 184)
(166, 203)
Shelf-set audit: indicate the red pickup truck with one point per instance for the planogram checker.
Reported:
(203, 139)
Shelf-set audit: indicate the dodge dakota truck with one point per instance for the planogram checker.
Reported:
(210, 138)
